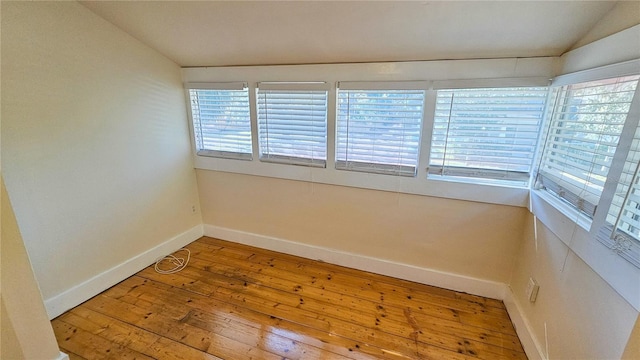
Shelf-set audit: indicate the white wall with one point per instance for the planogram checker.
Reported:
(466, 238)
(95, 143)
(577, 315)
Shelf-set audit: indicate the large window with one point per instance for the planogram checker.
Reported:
(221, 121)
(488, 133)
(292, 123)
(378, 131)
(584, 130)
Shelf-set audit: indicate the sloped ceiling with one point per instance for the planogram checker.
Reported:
(218, 33)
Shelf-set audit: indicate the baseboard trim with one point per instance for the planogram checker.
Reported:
(78, 294)
(530, 343)
(62, 356)
(462, 283)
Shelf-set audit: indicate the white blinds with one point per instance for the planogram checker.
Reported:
(292, 126)
(621, 230)
(221, 122)
(585, 127)
(378, 131)
(488, 133)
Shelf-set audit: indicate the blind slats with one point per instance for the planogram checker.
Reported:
(622, 222)
(221, 122)
(292, 126)
(378, 131)
(581, 142)
(486, 133)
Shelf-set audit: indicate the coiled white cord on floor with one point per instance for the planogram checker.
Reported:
(179, 263)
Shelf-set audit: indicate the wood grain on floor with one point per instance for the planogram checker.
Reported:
(239, 302)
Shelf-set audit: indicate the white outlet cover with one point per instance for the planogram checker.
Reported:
(532, 289)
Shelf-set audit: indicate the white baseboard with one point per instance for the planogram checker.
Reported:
(62, 356)
(462, 283)
(530, 343)
(60, 303)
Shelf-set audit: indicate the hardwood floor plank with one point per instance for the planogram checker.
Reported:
(133, 290)
(368, 276)
(238, 302)
(92, 346)
(322, 276)
(176, 329)
(353, 325)
(405, 285)
(392, 323)
(391, 311)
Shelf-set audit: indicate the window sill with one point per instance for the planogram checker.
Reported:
(418, 185)
(572, 228)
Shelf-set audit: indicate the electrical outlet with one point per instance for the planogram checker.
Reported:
(532, 289)
(193, 209)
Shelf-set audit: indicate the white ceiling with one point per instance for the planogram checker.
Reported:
(215, 33)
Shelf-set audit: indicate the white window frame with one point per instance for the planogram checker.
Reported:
(467, 174)
(422, 74)
(385, 169)
(576, 230)
(292, 87)
(230, 86)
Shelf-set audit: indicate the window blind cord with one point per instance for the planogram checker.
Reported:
(537, 184)
(179, 263)
(196, 102)
(446, 139)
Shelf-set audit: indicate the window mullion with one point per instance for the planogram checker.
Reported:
(425, 136)
(253, 114)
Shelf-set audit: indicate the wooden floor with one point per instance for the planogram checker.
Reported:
(239, 302)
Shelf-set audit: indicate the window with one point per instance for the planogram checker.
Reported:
(584, 130)
(621, 229)
(488, 133)
(378, 131)
(221, 122)
(292, 123)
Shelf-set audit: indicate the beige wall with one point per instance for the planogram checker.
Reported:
(632, 351)
(26, 331)
(9, 345)
(584, 317)
(95, 143)
(468, 238)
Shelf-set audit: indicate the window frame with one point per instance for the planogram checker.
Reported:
(579, 193)
(577, 231)
(421, 73)
(484, 175)
(316, 86)
(221, 86)
(370, 167)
